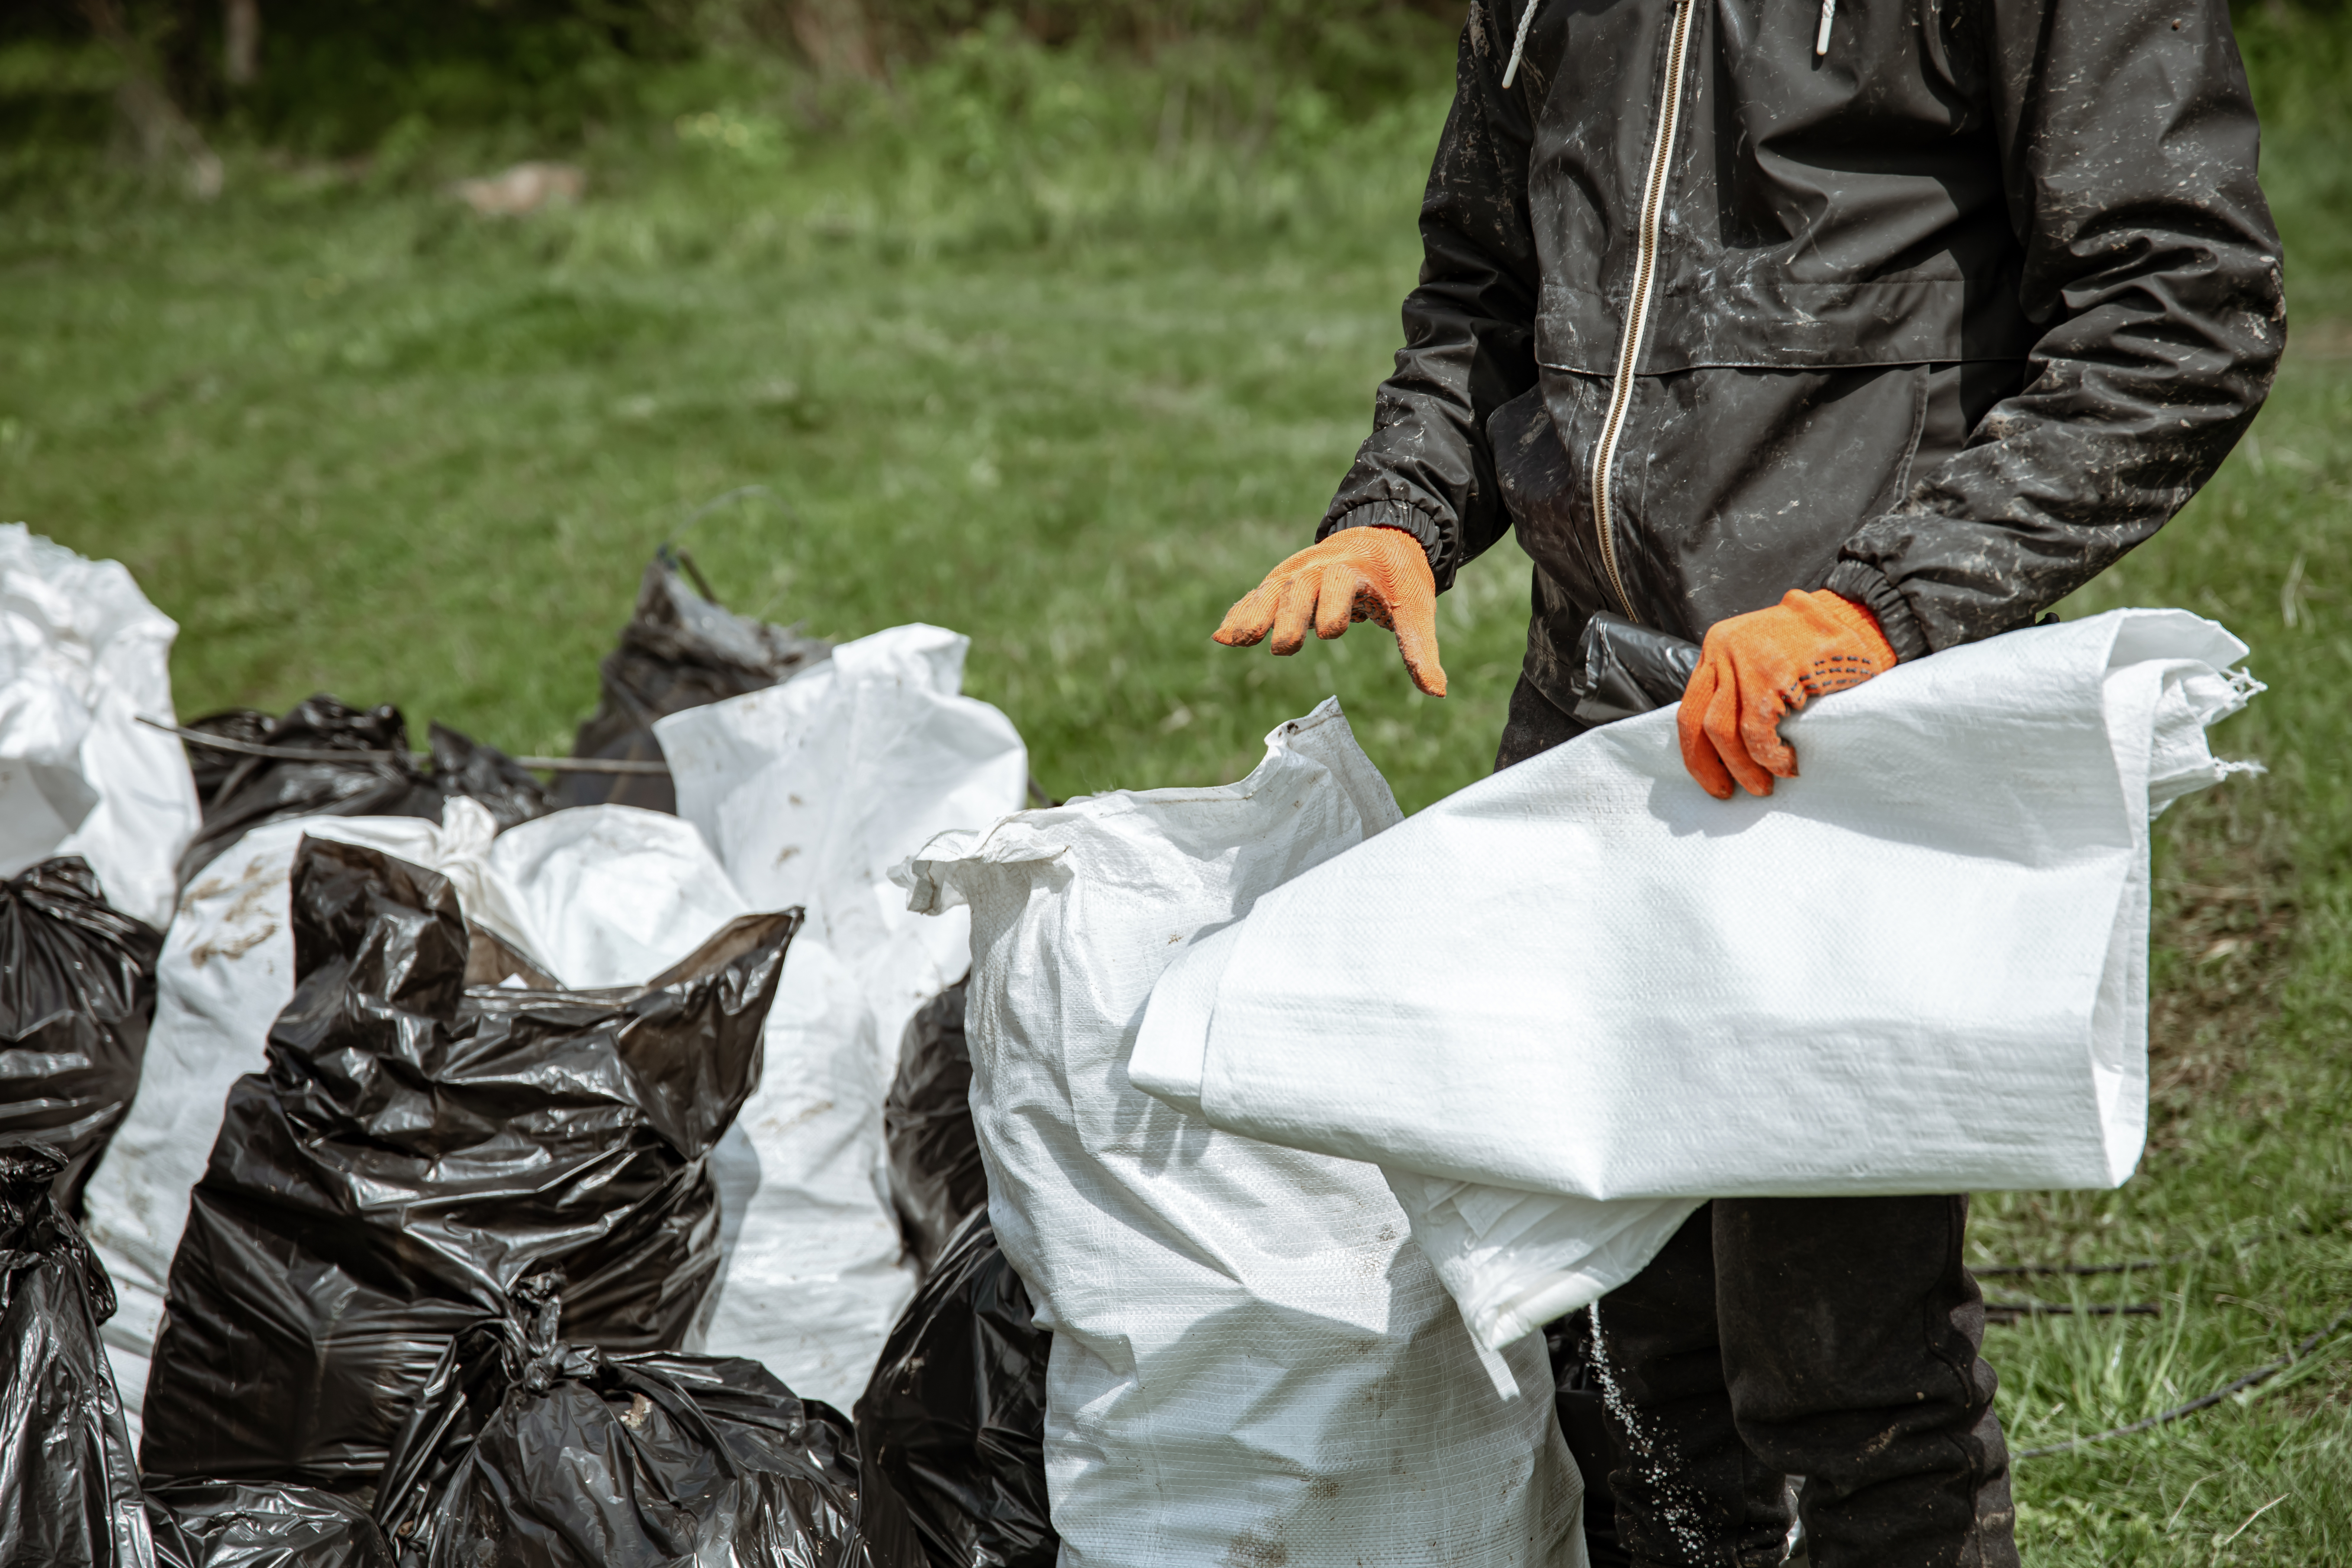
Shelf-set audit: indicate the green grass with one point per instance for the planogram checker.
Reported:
(1057, 355)
(2247, 1190)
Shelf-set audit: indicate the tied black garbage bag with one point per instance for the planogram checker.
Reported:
(77, 993)
(935, 1179)
(525, 1451)
(223, 1524)
(953, 1422)
(415, 1148)
(69, 1486)
(381, 778)
(681, 649)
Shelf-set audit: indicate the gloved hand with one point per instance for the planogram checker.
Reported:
(1755, 670)
(1378, 575)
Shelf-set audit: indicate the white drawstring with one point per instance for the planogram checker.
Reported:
(1821, 38)
(1520, 44)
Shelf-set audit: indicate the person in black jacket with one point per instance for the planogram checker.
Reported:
(1833, 336)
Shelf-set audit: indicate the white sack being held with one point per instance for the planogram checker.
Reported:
(83, 657)
(1921, 967)
(1252, 1360)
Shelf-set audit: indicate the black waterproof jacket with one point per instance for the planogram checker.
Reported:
(1945, 317)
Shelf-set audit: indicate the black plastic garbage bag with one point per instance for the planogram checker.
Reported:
(510, 791)
(77, 993)
(679, 650)
(381, 778)
(1624, 668)
(954, 1419)
(525, 1451)
(68, 1486)
(415, 1148)
(935, 1179)
(227, 1524)
(254, 790)
(210, 766)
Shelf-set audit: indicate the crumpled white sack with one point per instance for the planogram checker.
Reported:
(810, 792)
(1252, 1362)
(597, 896)
(1919, 968)
(83, 656)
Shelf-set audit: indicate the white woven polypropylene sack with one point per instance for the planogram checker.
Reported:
(813, 1274)
(1252, 1363)
(83, 657)
(1920, 967)
(810, 792)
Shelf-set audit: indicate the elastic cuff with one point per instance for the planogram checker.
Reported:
(1397, 514)
(1868, 586)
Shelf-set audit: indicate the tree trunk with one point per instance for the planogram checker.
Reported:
(156, 124)
(836, 34)
(241, 42)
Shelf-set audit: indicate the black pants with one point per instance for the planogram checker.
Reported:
(1536, 725)
(1831, 1339)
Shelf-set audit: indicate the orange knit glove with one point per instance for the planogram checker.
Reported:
(1755, 670)
(1378, 575)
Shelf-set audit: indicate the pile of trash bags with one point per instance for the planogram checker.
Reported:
(406, 1161)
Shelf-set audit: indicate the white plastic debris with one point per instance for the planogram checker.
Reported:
(598, 896)
(1921, 967)
(810, 792)
(83, 656)
(1253, 1361)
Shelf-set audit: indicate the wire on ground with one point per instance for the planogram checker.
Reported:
(352, 753)
(2301, 1353)
(2010, 1311)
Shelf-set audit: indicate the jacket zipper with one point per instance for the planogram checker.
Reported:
(1637, 308)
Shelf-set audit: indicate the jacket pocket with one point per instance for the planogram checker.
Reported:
(1541, 440)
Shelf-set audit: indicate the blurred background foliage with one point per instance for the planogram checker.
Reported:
(953, 124)
(963, 123)
(338, 80)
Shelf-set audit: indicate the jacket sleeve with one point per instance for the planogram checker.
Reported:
(1469, 324)
(2127, 142)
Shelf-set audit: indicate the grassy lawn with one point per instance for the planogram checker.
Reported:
(1072, 398)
